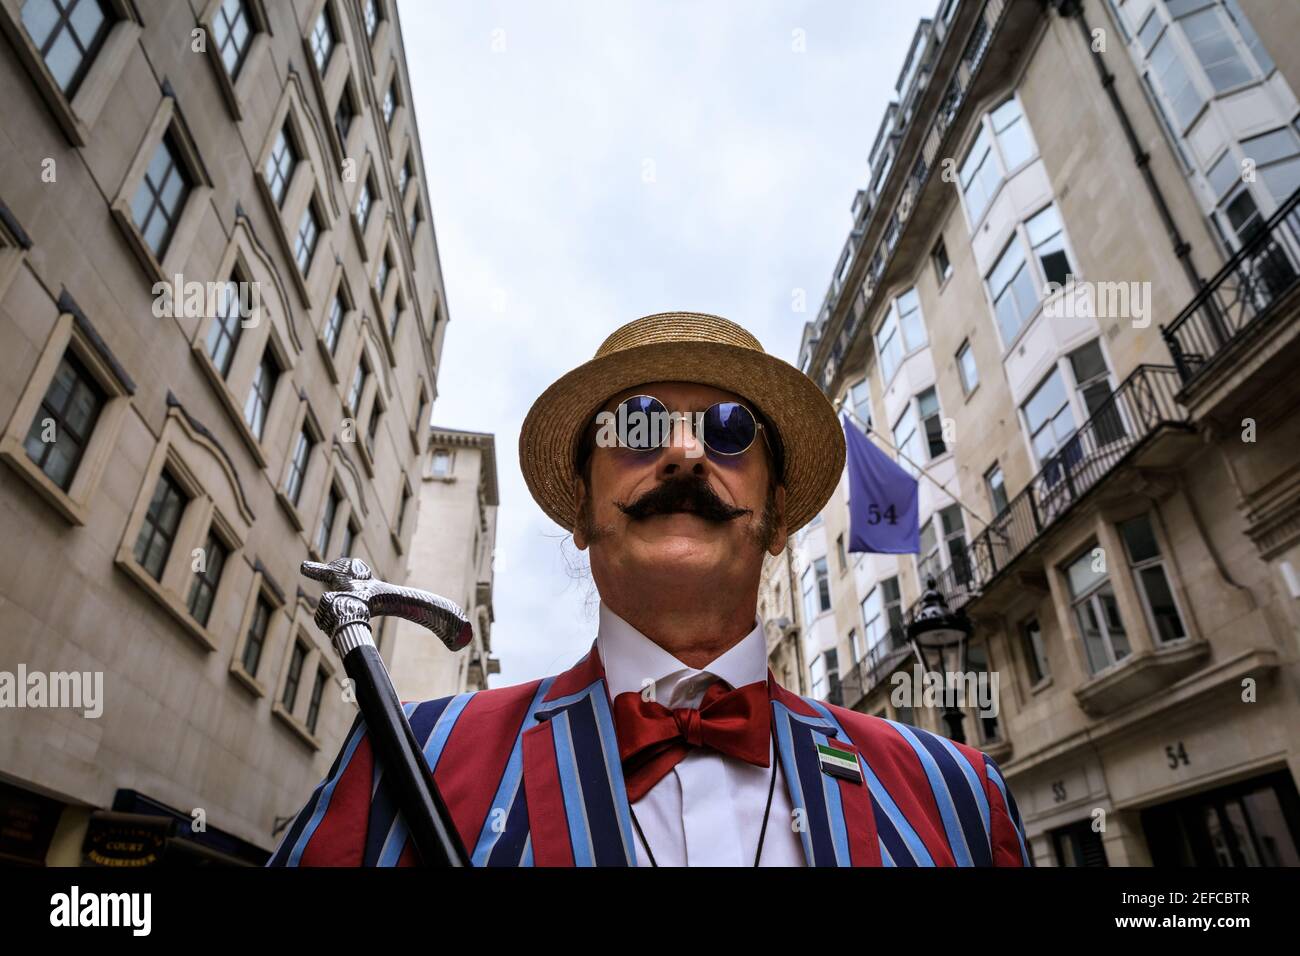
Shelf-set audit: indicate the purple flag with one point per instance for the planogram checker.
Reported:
(882, 499)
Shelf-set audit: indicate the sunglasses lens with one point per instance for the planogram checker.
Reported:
(729, 428)
(640, 422)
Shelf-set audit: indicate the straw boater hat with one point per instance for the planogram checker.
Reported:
(684, 347)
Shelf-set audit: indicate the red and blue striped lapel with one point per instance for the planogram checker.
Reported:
(837, 825)
(578, 812)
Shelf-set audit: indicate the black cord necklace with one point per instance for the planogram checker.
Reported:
(771, 788)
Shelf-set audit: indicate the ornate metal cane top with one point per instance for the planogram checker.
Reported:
(355, 596)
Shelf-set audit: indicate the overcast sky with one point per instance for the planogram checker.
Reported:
(589, 163)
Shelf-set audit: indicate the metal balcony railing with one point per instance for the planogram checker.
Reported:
(1143, 403)
(1261, 273)
(881, 659)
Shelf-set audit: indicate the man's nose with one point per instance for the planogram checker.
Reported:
(684, 449)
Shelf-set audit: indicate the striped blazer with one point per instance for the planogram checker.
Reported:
(532, 777)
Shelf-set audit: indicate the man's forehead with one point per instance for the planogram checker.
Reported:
(674, 394)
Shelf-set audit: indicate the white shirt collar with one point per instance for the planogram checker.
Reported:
(630, 659)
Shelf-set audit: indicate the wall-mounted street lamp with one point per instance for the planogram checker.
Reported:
(940, 638)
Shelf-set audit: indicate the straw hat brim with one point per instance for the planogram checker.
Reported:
(809, 430)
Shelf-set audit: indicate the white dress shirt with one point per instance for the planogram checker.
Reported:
(708, 810)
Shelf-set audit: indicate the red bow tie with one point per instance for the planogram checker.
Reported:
(652, 738)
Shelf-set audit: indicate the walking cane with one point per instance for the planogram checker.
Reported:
(353, 597)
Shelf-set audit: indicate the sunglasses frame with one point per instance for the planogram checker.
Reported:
(758, 427)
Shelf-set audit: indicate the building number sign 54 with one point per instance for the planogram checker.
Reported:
(1176, 754)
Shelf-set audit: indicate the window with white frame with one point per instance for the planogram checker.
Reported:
(441, 463)
(1049, 417)
(860, 398)
(1092, 383)
(966, 368)
(874, 623)
(1031, 639)
(817, 673)
(1013, 290)
(901, 333)
(1096, 612)
(909, 320)
(942, 264)
(373, 14)
(943, 545)
(280, 164)
(1148, 568)
(889, 346)
(979, 177)
(927, 408)
(996, 488)
(1011, 131)
(907, 440)
(1047, 239)
(928, 561)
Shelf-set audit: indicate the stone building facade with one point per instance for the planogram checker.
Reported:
(221, 316)
(1070, 296)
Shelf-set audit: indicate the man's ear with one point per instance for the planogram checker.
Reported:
(779, 532)
(580, 525)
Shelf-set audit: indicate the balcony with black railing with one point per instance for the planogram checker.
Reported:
(1125, 425)
(1256, 293)
(881, 660)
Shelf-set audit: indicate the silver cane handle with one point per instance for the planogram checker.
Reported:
(354, 596)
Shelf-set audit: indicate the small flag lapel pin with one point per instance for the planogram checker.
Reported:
(839, 762)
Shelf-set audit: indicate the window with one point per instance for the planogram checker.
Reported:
(1048, 417)
(395, 315)
(954, 537)
(260, 392)
(372, 15)
(1096, 612)
(818, 674)
(363, 202)
(280, 164)
(441, 463)
(843, 556)
(855, 649)
(317, 693)
(1092, 380)
(358, 383)
(1276, 156)
(1013, 291)
(381, 276)
(372, 428)
(1207, 32)
(1171, 75)
(1249, 36)
(860, 397)
(927, 404)
(343, 116)
(1031, 638)
(322, 39)
(390, 103)
(414, 222)
(875, 626)
(1012, 133)
(1048, 242)
(996, 489)
(305, 244)
(1149, 570)
(816, 590)
(204, 587)
(153, 544)
(979, 177)
(942, 265)
(226, 328)
(929, 564)
(907, 440)
(160, 196)
(68, 34)
(294, 677)
(338, 308)
(302, 448)
(256, 638)
(326, 530)
(349, 539)
(909, 320)
(404, 175)
(893, 598)
(69, 410)
(977, 659)
(401, 508)
(889, 346)
(232, 34)
(966, 368)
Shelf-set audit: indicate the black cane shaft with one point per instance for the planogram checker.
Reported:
(402, 759)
